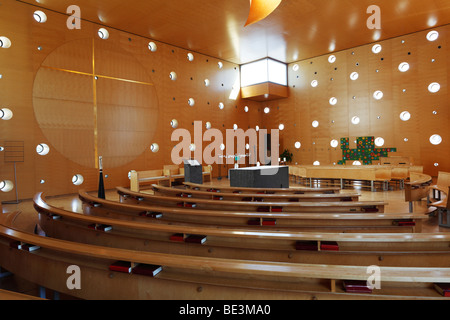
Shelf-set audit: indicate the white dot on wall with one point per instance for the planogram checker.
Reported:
(314, 83)
(5, 42)
(377, 48)
(379, 142)
(435, 139)
(208, 125)
(192, 147)
(103, 33)
(316, 163)
(266, 110)
(190, 56)
(378, 95)
(6, 186)
(152, 46)
(354, 76)
(281, 127)
(221, 106)
(77, 179)
(173, 76)
(206, 82)
(6, 114)
(405, 116)
(334, 143)
(356, 120)
(436, 164)
(246, 109)
(220, 65)
(333, 101)
(235, 126)
(42, 149)
(434, 87)
(257, 128)
(191, 102)
(403, 67)
(315, 123)
(298, 145)
(154, 147)
(40, 16)
(295, 67)
(432, 35)
(174, 123)
(332, 59)
(357, 163)
(222, 147)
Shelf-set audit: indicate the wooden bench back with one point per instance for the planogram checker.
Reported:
(443, 179)
(171, 170)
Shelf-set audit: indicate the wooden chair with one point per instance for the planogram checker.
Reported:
(439, 198)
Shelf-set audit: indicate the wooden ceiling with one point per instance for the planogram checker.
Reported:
(297, 30)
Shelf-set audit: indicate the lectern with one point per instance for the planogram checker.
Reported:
(193, 171)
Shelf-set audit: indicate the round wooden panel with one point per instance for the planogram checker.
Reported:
(92, 99)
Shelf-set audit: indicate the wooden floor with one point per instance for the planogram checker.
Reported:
(28, 219)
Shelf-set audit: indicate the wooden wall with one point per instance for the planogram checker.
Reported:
(48, 82)
(379, 118)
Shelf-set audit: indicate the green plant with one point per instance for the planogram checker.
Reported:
(286, 154)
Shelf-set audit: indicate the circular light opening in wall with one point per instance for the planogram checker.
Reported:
(298, 145)
(206, 83)
(432, 35)
(434, 87)
(266, 110)
(222, 147)
(2, 149)
(332, 59)
(77, 179)
(173, 76)
(315, 124)
(295, 67)
(208, 125)
(377, 48)
(192, 147)
(405, 116)
(154, 147)
(403, 67)
(40, 16)
(6, 186)
(246, 109)
(174, 123)
(42, 149)
(190, 57)
(5, 42)
(152, 46)
(354, 76)
(314, 83)
(235, 126)
(333, 101)
(436, 139)
(221, 106)
(356, 120)
(103, 33)
(6, 114)
(281, 127)
(247, 147)
(334, 143)
(378, 95)
(191, 102)
(379, 142)
(316, 163)
(357, 163)
(257, 128)
(220, 65)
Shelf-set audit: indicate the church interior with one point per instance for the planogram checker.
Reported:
(136, 137)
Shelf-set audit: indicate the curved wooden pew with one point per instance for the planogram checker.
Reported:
(15, 296)
(228, 189)
(324, 222)
(182, 276)
(308, 197)
(269, 245)
(259, 206)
